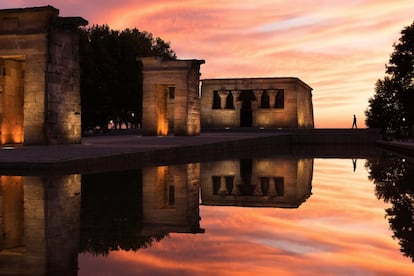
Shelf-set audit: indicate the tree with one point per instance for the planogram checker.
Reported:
(111, 77)
(393, 177)
(385, 107)
(112, 218)
(393, 102)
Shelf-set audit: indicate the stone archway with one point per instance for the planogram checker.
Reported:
(39, 77)
(11, 100)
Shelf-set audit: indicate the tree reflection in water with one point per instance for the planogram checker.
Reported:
(393, 177)
(111, 213)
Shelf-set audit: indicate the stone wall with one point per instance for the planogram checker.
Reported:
(64, 105)
(304, 107)
(293, 110)
(46, 46)
(159, 77)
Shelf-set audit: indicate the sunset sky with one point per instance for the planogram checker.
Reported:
(338, 47)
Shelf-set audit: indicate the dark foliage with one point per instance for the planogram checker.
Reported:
(394, 183)
(392, 106)
(111, 213)
(111, 76)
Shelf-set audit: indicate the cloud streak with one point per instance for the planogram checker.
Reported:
(338, 47)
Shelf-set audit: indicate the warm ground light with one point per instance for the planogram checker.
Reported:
(338, 47)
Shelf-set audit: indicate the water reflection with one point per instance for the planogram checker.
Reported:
(49, 221)
(261, 182)
(394, 177)
(39, 224)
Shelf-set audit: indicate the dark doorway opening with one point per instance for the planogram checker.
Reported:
(246, 114)
(246, 171)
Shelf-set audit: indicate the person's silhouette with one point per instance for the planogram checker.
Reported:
(354, 164)
(354, 122)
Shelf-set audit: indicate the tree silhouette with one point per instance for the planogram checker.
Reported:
(111, 77)
(111, 213)
(393, 177)
(393, 102)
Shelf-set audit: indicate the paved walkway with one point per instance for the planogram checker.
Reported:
(98, 147)
(136, 150)
(404, 147)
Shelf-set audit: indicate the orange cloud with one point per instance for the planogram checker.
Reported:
(338, 47)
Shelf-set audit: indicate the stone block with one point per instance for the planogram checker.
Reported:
(29, 34)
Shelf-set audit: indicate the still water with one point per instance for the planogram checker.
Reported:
(263, 216)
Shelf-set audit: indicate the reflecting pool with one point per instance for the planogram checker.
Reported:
(265, 216)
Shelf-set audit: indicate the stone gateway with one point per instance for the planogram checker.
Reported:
(171, 100)
(39, 77)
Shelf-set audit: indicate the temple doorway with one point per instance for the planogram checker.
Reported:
(12, 101)
(12, 214)
(246, 113)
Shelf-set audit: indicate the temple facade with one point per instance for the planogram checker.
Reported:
(171, 101)
(259, 182)
(256, 102)
(39, 77)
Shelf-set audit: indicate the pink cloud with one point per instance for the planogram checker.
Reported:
(338, 47)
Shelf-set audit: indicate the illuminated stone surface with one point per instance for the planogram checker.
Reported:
(256, 102)
(39, 77)
(171, 101)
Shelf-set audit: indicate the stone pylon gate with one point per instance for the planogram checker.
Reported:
(39, 77)
(171, 100)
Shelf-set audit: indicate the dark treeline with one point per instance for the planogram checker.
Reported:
(111, 77)
(392, 106)
(393, 177)
(112, 218)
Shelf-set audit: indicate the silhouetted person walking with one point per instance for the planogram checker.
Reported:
(354, 124)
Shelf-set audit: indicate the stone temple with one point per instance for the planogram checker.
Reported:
(39, 77)
(172, 103)
(40, 88)
(256, 102)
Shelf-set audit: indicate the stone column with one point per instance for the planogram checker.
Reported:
(272, 97)
(223, 189)
(272, 188)
(223, 97)
(236, 184)
(258, 94)
(237, 107)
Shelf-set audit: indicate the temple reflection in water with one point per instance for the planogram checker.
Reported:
(266, 182)
(46, 221)
(39, 223)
